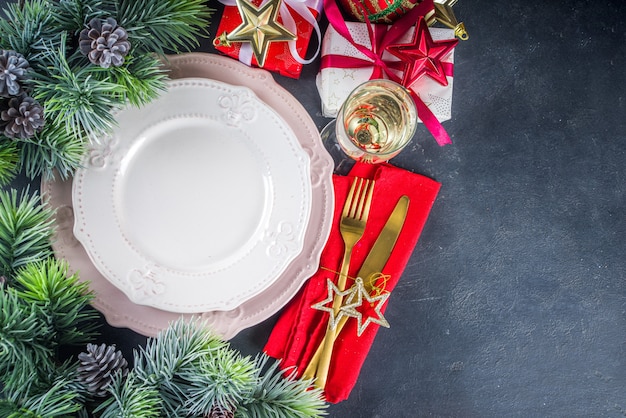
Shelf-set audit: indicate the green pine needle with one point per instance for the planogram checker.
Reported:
(73, 15)
(25, 28)
(55, 401)
(52, 151)
(25, 352)
(131, 397)
(179, 345)
(222, 379)
(176, 348)
(159, 25)
(8, 409)
(25, 230)
(281, 397)
(63, 301)
(9, 157)
(141, 79)
(74, 97)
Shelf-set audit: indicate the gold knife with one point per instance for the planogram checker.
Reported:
(374, 263)
(380, 252)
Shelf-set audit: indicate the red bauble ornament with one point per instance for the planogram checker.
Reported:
(377, 11)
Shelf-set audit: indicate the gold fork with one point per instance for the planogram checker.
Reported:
(352, 225)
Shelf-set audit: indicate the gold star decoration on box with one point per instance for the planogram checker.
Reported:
(260, 27)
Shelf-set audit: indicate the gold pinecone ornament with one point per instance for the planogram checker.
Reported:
(99, 365)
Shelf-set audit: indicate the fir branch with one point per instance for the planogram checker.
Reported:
(25, 230)
(177, 347)
(26, 28)
(74, 97)
(73, 15)
(53, 150)
(25, 352)
(174, 348)
(57, 401)
(9, 157)
(63, 301)
(8, 409)
(160, 25)
(131, 397)
(281, 397)
(141, 78)
(222, 379)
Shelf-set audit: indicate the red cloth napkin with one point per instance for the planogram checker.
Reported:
(300, 328)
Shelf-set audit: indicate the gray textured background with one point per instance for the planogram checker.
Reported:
(513, 303)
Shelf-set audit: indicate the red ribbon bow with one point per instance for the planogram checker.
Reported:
(381, 37)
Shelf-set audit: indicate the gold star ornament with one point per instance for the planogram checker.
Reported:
(333, 291)
(260, 27)
(360, 305)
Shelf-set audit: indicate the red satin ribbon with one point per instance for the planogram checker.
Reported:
(381, 37)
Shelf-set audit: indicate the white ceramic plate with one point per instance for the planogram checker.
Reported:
(198, 201)
(117, 308)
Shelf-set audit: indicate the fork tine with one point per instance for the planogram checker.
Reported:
(356, 201)
(368, 199)
(348, 205)
(363, 201)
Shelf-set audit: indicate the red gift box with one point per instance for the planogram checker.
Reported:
(286, 58)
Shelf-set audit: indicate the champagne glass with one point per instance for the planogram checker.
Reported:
(376, 121)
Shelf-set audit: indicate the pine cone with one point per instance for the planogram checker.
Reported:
(21, 117)
(13, 70)
(219, 411)
(98, 366)
(104, 43)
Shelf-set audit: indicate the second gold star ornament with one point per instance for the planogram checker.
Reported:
(260, 27)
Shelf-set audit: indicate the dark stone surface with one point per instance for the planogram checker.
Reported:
(514, 301)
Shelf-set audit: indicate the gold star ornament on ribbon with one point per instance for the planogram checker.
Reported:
(360, 304)
(260, 27)
(333, 291)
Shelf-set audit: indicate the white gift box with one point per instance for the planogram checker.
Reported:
(335, 84)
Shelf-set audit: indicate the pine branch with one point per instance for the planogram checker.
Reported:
(63, 301)
(25, 353)
(177, 347)
(159, 25)
(141, 79)
(55, 149)
(73, 15)
(25, 28)
(56, 401)
(222, 379)
(25, 230)
(280, 396)
(9, 157)
(74, 97)
(131, 397)
(8, 409)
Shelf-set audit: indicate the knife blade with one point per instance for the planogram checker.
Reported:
(374, 263)
(380, 252)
